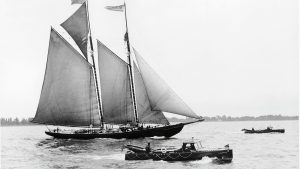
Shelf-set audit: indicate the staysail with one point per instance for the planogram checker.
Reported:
(146, 115)
(68, 95)
(115, 87)
(161, 96)
(77, 26)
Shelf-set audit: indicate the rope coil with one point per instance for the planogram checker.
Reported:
(163, 150)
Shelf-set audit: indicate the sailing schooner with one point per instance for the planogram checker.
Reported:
(129, 94)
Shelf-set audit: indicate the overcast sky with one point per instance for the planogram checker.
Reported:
(232, 57)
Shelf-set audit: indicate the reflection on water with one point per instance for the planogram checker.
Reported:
(55, 143)
(28, 147)
(74, 146)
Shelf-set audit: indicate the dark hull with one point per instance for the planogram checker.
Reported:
(166, 131)
(223, 155)
(264, 131)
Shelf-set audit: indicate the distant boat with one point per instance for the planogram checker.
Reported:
(130, 94)
(268, 130)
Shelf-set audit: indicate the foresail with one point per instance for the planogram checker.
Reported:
(115, 87)
(146, 115)
(68, 96)
(77, 26)
(161, 96)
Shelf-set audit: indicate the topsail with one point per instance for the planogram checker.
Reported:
(77, 26)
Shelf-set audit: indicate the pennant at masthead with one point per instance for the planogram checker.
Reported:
(119, 8)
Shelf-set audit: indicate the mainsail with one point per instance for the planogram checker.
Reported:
(68, 95)
(77, 26)
(161, 96)
(115, 87)
(146, 115)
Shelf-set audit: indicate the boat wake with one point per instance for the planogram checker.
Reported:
(162, 138)
(107, 157)
(205, 160)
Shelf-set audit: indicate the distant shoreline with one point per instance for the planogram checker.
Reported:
(243, 118)
(26, 122)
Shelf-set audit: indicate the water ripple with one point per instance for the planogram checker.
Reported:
(28, 147)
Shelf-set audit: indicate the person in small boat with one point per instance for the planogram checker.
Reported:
(193, 147)
(183, 147)
(252, 129)
(148, 149)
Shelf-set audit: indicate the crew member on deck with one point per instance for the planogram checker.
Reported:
(183, 147)
(148, 149)
(193, 147)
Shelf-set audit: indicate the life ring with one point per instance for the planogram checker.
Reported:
(163, 150)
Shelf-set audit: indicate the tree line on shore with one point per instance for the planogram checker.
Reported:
(26, 121)
(243, 118)
(16, 121)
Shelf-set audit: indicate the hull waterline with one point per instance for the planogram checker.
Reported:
(166, 131)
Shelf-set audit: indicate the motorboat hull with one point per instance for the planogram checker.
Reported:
(225, 155)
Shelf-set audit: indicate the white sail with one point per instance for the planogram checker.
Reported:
(68, 95)
(146, 115)
(161, 96)
(115, 87)
(77, 26)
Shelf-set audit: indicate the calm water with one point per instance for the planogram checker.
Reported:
(28, 147)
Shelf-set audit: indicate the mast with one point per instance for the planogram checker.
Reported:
(90, 53)
(133, 97)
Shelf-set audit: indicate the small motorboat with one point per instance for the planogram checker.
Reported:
(187, 152)
(268, 130)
